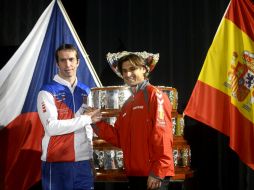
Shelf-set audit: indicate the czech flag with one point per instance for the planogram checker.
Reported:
(223, 96)
(31, 66)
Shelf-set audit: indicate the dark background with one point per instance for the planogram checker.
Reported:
(181, 31)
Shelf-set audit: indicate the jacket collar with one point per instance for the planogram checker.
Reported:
(60, 80)
(140, 86)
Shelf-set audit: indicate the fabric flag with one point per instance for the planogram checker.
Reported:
(223, 96)
(29, 68)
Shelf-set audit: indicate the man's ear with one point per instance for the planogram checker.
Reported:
(145, 69)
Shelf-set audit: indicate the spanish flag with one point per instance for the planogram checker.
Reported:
(223, 96)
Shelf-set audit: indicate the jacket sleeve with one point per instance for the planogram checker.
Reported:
(161, 136)
(49, 117)
(108, 132)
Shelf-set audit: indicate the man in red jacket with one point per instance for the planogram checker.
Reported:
(143, 129)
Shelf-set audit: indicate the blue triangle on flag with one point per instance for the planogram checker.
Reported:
(58, 32)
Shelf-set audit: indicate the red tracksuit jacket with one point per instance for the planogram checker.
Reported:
(143, 130)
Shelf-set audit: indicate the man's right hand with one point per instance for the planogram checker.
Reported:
(95, 114)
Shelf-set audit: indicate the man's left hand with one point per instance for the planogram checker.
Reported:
(153, 183)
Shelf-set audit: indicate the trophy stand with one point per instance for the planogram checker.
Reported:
(108, 159)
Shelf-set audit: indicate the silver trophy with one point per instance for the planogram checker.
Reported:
(119, 159)
(98, 159)
(109, 160)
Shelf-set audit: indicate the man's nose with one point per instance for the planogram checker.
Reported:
(128, 73)
(68, 63)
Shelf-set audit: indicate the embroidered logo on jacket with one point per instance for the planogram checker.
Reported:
(43, 107)
(60, 97)
(138, 107)
(160, 115)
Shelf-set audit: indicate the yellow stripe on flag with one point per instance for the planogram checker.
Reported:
(229, 67)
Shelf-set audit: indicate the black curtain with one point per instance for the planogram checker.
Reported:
(181, 31)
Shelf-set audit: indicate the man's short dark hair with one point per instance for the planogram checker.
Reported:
(66, 47)
(136, 60)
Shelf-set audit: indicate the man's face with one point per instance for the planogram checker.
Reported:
(68, 64)
(132, 75)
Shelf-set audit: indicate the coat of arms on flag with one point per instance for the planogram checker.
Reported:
(241, 76)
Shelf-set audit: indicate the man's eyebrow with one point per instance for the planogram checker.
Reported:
(69, 58)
